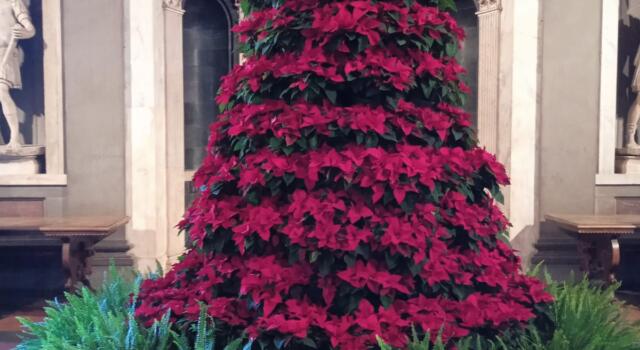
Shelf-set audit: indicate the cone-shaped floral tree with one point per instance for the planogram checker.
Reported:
(344, 195)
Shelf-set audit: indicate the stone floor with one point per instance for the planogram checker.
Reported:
(633, 314)
(633, 304)
(10, 327)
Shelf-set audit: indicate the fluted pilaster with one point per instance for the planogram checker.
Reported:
(488, 72)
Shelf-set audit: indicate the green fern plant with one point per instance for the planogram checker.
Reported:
(100, 320)
(589, 317)
(469, 343)
(105, 320)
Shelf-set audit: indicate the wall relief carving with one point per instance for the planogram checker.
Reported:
(487, 5)
(174, 5)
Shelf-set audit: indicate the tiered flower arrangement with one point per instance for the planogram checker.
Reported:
(344, 195)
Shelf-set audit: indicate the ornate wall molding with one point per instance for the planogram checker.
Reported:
(174, 6)
(485, 6)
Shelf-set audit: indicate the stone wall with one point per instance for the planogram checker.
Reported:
(94, 115)
(94, 137)
(569, 106)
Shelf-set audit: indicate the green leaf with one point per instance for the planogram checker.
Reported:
(364, 251)
(289, 178)
(303, 144)
(371, 140)
(309, 342)
(235, 344)
(496, 193)
(331, 95)
(349, 260)
(245, 7)
(275, 144)
(313, 142)
(248, 345)
(390, 135)
(326, 265)
(363, 43)
(252, 197)
(391, 260)
(392, 102)
(383, 345)
(447, 5)
(451, 49)
(457, 135)
(386, 301)
(464, 189)
(288, 150)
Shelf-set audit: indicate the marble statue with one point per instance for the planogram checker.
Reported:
(15, 24)
(634, 112)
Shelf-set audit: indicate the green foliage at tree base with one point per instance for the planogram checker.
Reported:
(586, 317)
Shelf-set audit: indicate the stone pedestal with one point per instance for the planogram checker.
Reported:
(628, 161)
(26, 160)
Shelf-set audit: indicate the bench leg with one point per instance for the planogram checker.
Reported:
(75, 261)
(600, 257)
(585, 252)
(610, 258)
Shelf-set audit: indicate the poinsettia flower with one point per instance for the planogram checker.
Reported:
(358, 211)
(366, 274)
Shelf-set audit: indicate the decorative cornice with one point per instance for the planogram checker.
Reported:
(485, 6)
(176, 6)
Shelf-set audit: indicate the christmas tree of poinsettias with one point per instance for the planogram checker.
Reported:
(344, 195)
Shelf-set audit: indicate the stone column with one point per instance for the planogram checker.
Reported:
(488, 72)
(174, 99)
(147, 130)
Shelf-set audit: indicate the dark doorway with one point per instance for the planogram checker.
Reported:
(207, 57)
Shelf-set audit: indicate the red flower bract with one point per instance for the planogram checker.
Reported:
(344, 195)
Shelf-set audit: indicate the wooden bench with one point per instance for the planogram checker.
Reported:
(78, 235)
(597, 237)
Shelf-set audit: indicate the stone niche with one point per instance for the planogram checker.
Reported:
(39, 102)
